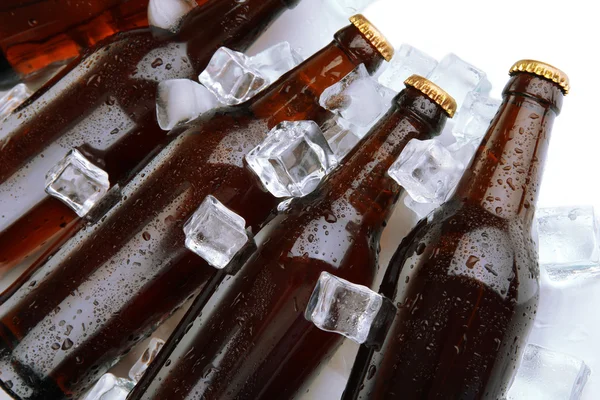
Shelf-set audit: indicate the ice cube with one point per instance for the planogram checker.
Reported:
(141, 365)
(420, 209)
(215, 233)
(358, 98)
(458, 78)
(548, 375)
(407, 61)
(341, 136)
(276, 61)
(352, 7)
(473, 119)
(77, 182)
(427, 171)
(231, 77)
(337, 305)
(109, 387)
(181, 100)
(568, 241)
(293, 159)
(13, 99)
(168, 14)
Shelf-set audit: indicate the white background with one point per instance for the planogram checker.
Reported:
(492, 35)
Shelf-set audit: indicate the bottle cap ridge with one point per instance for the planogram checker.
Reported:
(543, 70)
(377, 39)
(434, 92)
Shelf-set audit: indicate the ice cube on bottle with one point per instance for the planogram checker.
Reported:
(13, 99)
(276, 61)
(141, 365)
(474, 117)
(181, 100)
(407, 61)
(292, 159)
(168, 14)
(109, 387)
(77, 182)
(215, 233)
(341, 136)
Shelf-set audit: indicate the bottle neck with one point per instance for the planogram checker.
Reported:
(363, 180)
(505, 175)
(295, 96)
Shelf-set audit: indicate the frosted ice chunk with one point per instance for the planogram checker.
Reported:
(77, 182)
(358, 98)
(354, 6)
(276, 61)
(293, 159)
(474, 117)
(168, 14)
(548, 375)
(141, 365)
(337, 305)
(340, 135)
(109, 387)
(181, 100)
(406, 62)
(458, 78)
(427, 171)
(569, 240)
(215, 233)
(232, 78)
(13, 99)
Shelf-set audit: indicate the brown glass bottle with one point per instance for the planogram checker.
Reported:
(105, 107)
(34, 35)
(466, 279)
(126, 274)
(255, 342)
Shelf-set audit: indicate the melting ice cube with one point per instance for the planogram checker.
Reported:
(168, 14)
(420, 209)
(215, 233)
(109, 387)
(548, 375)
(341, 136)
(13, 99)
(337, 305)
(473, 119)
(77, 182)
(458, 78)
(181, 100)
(358, 98)
(569, 240)
(406, 62)
(141, 365)
(276, 61)
(293, 159)
(427, 171)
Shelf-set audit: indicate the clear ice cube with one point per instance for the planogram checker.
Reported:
(421, 210)
(293, 159)
(232, 78)
(406, 62)
(358, 98)
(427, 171)
(77, 182)
(474, 118)
(109, 387)
(276, 61)
(168, 14)
(13, 99)
(215, 233)
(569, 240)
(340, 135)
(337, 305)
(141, 365)
(181, 100)
(458, 78)
(548, 375)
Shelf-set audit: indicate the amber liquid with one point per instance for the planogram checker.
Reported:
(255, 342)
(112, 284)
(105, 106)
(34, 35)
(466, 279)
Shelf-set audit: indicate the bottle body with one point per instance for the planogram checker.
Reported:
(466, 279)
(105, 107)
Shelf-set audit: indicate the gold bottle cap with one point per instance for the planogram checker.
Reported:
(434, 92)
(373, 34)
(544, 70)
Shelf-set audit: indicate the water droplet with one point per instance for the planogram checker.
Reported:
(146, 236)
(472, 261)
(55, 346)
(371, 373)
(533, 116)
(311, 238)
(32, 22)
(329, 217)
(67, 344)
(157, 63)
(421, 248)
(114, 131)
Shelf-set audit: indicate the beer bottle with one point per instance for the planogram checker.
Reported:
(105, 107)
(255, 342)
(466, 279)
(111, 284)
(37, 34)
